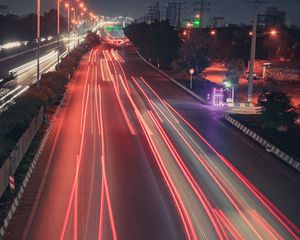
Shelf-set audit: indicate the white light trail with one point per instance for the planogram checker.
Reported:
(18, 94)
(9, 93)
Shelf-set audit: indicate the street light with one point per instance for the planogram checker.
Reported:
(254, 36)
(81, 5)
(58, 31)
(213, 32)
(189, 25)
(252, 54)
(192, 71)
(273, 32)
(75, 32)
(67, 5)
(38, 37)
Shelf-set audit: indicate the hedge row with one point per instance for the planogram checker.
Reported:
(16, 119)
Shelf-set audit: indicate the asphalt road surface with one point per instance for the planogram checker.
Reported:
(96, 178)
(131, 156)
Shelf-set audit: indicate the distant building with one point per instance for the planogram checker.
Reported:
(153, 14)
(3, 10)
(171, 13)
(272, 17)
(142, 19)
(218, 22)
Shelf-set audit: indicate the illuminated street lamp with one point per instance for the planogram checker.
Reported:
(273, 32)
(58, 30)
(74, 21)
(213, 32)
(38, 37)
(192, 71)
(189, 25)
(254, 36)
(67, 5)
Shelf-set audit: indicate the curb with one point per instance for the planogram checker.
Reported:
(241, 105)
(263, 142)
(31, 169)
(193, 94)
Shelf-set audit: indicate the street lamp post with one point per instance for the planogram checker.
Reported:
(68, 8)
(38, 36)
(74, 22)
(192, 71)
(58, 31)
(251, 76)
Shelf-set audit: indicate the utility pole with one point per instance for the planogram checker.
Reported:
(179, 11)
(252, 54)
(253, 49)
(201, 7)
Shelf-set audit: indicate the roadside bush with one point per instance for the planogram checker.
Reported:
(276, 110)
(92, 40)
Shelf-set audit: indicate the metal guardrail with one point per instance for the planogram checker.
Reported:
(263, 142)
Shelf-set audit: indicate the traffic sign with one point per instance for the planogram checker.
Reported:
(12, 184)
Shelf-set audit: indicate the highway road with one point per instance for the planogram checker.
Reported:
(131, 156)
(24, 66)
(277, 182)
(96, 178)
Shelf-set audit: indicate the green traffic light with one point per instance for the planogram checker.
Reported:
(196, 23)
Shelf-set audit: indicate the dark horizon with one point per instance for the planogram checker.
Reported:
(233, 11)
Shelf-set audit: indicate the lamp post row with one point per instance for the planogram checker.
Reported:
(38, 42)
(38, 35)
(58, 31)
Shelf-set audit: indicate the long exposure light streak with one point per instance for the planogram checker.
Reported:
(217, 181)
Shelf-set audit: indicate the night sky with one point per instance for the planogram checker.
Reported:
(235, 11)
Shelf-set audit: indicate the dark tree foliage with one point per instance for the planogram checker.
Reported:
(16, 28)
(92, 39)
(194, 53)
(158, 41)
(229, 43)
(234, 42)
(235, 70)
(285, 46)
(277, 110)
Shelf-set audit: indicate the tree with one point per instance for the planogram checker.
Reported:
(276, 110)
(194, 54)
(157, 41)
(235, 69)
(92, 39)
